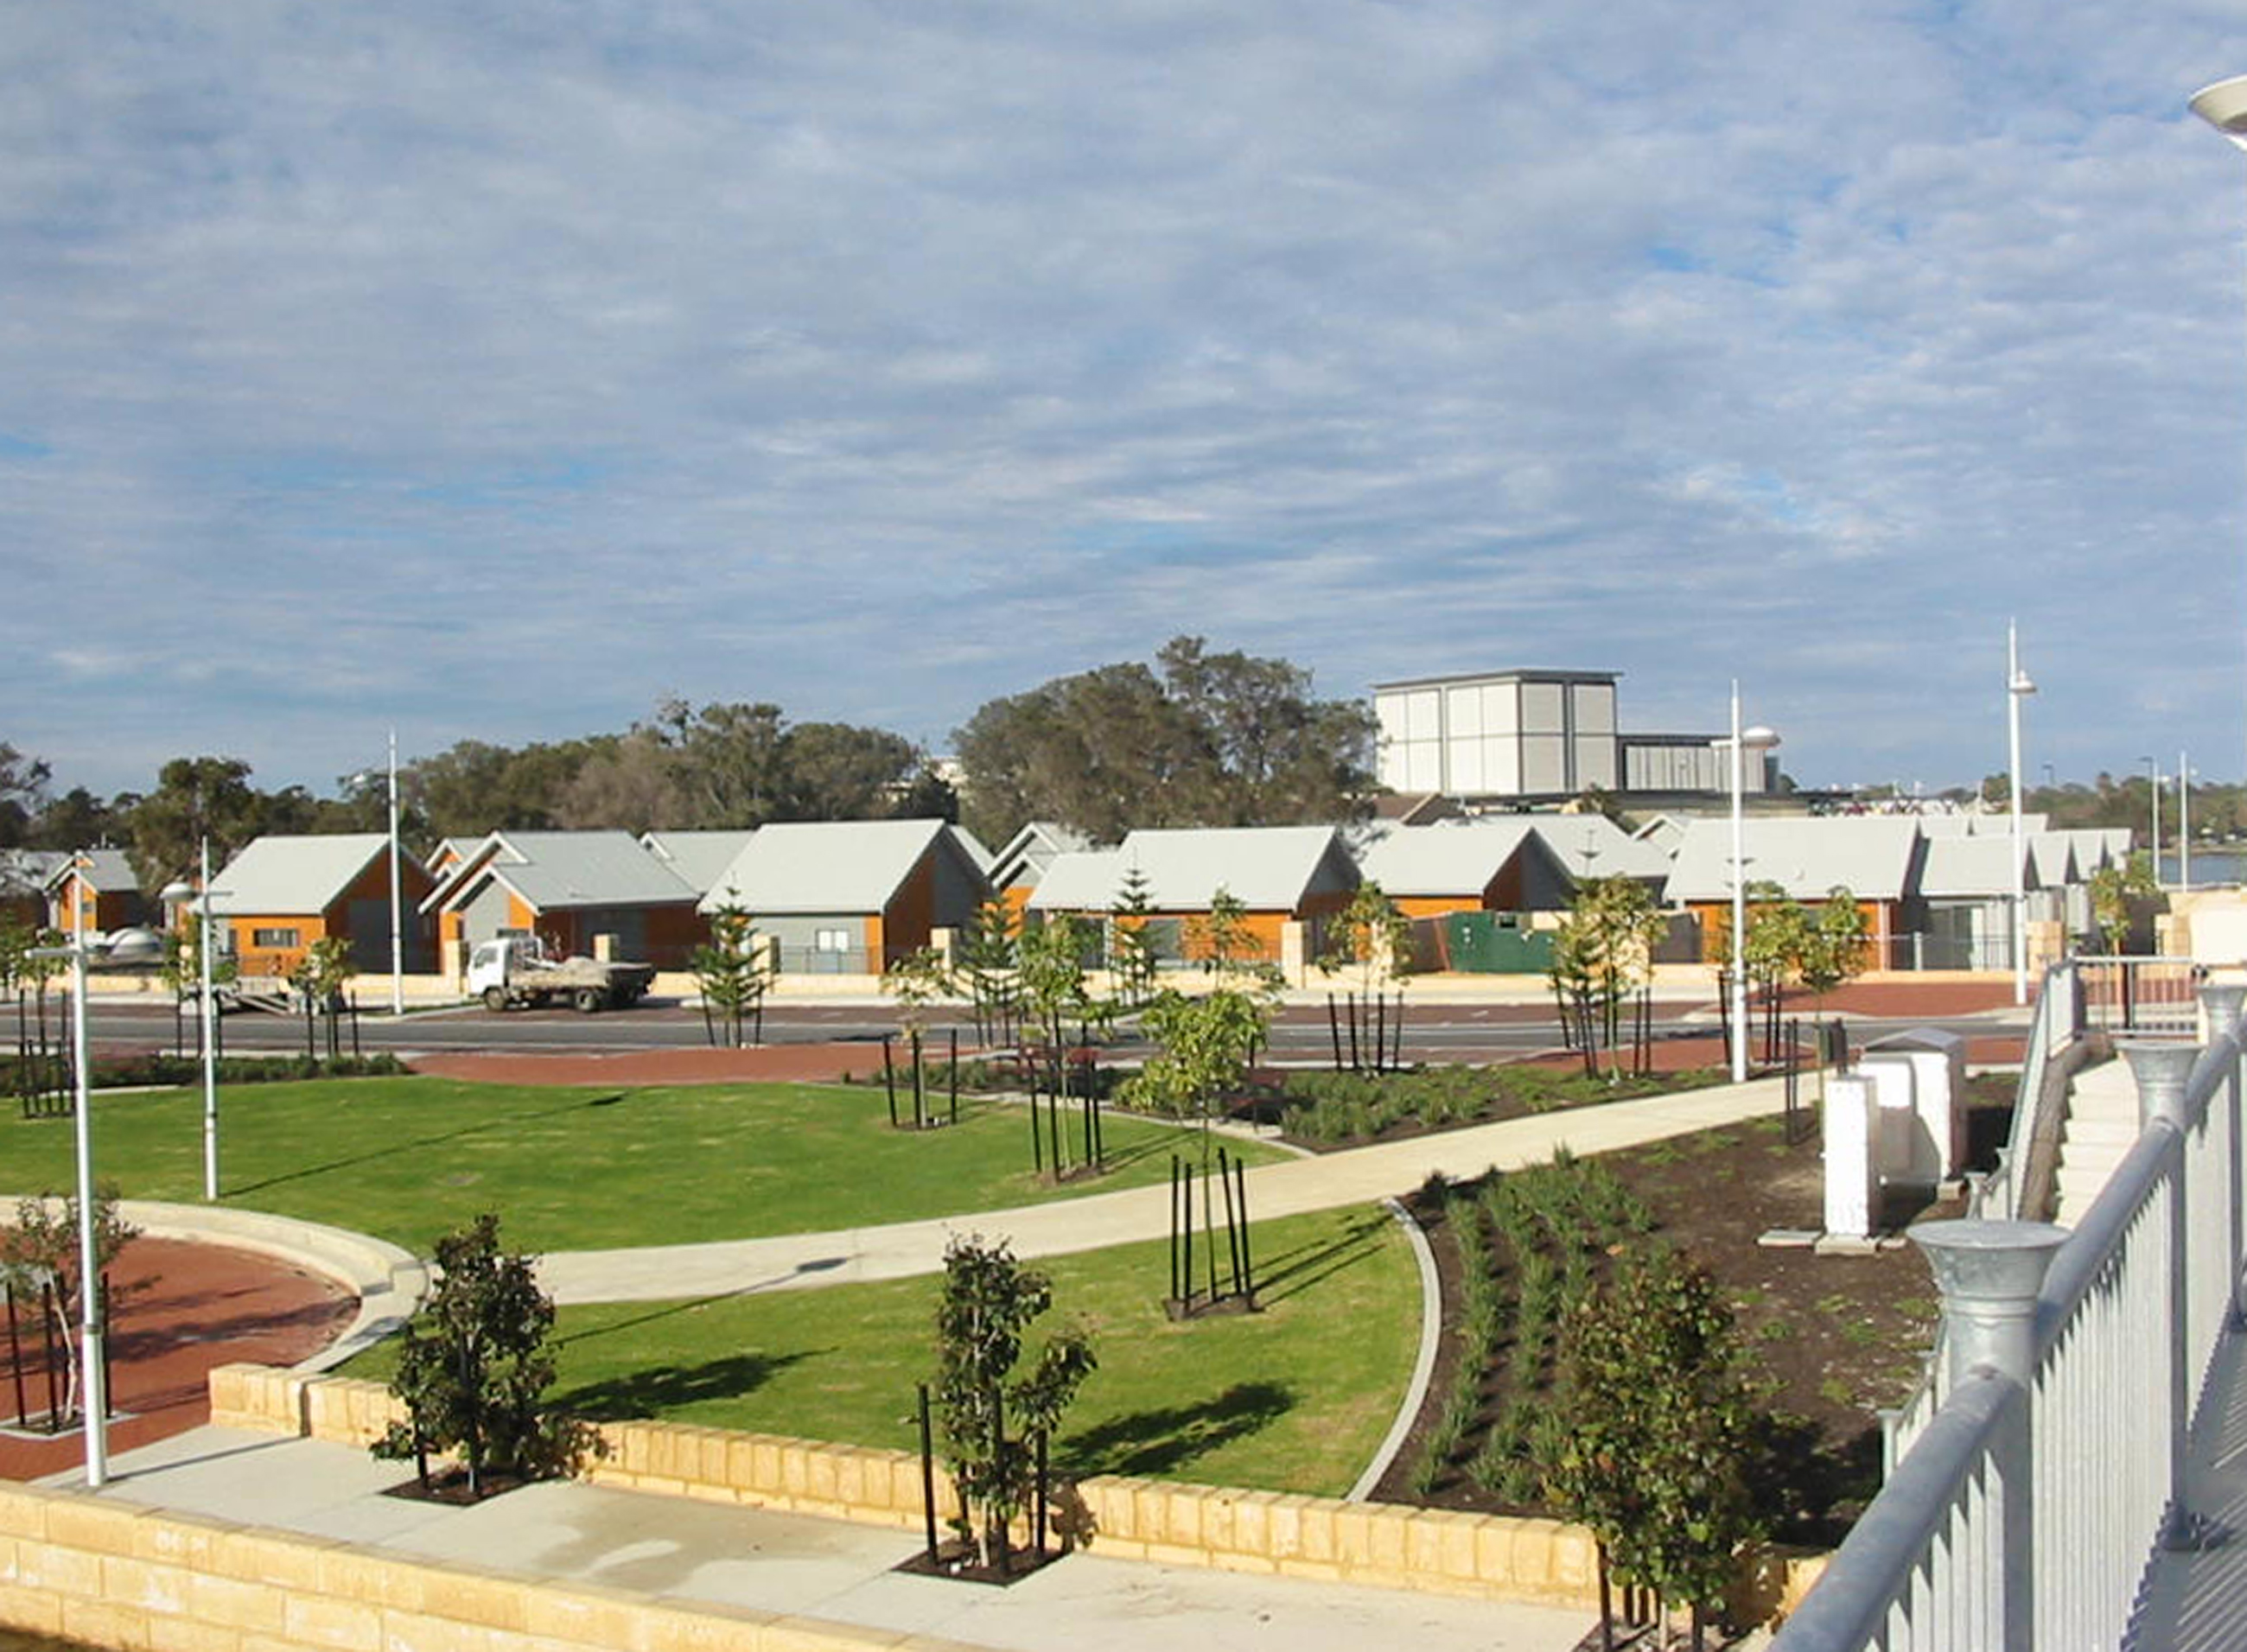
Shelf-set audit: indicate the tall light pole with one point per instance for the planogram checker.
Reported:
(2018, 688)
(1739, 743)
(2224, 106)
(397, 908)
(397, 926)
(127, 947)
(2154, 793)
(206, 947)
(2184, 822)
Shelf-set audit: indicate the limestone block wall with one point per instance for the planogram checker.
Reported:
(111, 1573)
(1391, 1546)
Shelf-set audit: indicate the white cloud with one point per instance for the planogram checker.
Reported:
(877, 360)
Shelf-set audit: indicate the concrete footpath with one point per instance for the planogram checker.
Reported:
(814, 1572)
(1358, 1177)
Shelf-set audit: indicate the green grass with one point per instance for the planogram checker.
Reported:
(1295, 1398)
(409, 1159)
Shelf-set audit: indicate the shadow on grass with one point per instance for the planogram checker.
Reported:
(1165, 1440)
(417, 1143)
(1291, 1273)
(658, 1389)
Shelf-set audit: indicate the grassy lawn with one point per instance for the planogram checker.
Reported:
(411, 1159)
(1295, 1398)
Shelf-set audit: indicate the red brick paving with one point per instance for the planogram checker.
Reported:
(183, 1308)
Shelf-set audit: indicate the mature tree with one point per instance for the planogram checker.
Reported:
(1215, 739)
(729, 762)
(22, 786)
(195, 798)
(838, 771)
(633, 784)
(78, 819)
(991, 1413)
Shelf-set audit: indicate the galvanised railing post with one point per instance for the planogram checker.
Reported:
(2224, 1001)
(1990, 1273)
(2161, 1070)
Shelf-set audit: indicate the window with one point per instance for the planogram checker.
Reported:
(830, 940)
(273, 938)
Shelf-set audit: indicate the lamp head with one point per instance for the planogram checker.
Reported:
(2022, 684)
(2224, 106)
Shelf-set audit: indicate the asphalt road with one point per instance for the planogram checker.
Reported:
(1433, 1032)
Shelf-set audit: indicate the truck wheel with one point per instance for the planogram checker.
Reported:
(587, 1000)
(495, 999)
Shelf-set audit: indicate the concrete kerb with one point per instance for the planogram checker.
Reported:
(1423, 1363)
(388, 1281)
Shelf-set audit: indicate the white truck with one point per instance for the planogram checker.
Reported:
(514, 971)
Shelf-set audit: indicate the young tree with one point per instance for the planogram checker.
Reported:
(43, 1248)
(474, 1369)
(917, 982)
(988, 962)
(733, 971)
(990, 1413)
(1133, 963)
(1662, 1429)
(1229, 949)
(319, 979)
(1373, 937)
(1602, 952)
(1050, 972)
(1207, 1044)
(2112, 889)
(1836, 943)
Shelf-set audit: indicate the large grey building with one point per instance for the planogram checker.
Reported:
(1525, 736)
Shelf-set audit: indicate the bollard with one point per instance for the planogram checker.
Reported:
(2161, 1068)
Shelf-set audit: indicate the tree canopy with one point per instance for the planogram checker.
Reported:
(1198, 739)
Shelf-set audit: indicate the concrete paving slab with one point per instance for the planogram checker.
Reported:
(693, 1552)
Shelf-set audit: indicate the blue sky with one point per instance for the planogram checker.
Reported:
(496, 372)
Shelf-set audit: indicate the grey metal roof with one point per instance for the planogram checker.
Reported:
(105, 868)
(1084, 880)
(281, 873)
(562, 871)
(699, 858)
(1807, 856)
(1023, 858)
(829, 865)
(1977, 865)
(1450, 858)
(1593, 846)
(1266, 868)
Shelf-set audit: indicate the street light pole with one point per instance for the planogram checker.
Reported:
(2018, 688)
(2154, 795)
(2184, 822)
(204, 943)
(397, 927)
(2224, 106)
(137, 947)
(93, 1380)
(1738, 743)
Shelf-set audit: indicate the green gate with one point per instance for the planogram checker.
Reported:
(1495, 944)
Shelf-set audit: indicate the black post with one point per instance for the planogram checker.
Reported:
(921, 1099)
(1053, 1131)
(1173, 1228)
(1351, 999)
(1232, 1220)
(14, 1352)
(1247, 1266)
(1333, 1032)
(1037, 1141)
(1380, 1031)
(47, 1318)
(1185, 1296)
(1000, 1536)
(1209, 1232)
(927, 1476)
(101, 1314)
(955, 1075)
(1087, 1122)
(890, 1080)
(1043, 1501)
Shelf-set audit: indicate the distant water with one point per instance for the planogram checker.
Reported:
(2210, 866)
